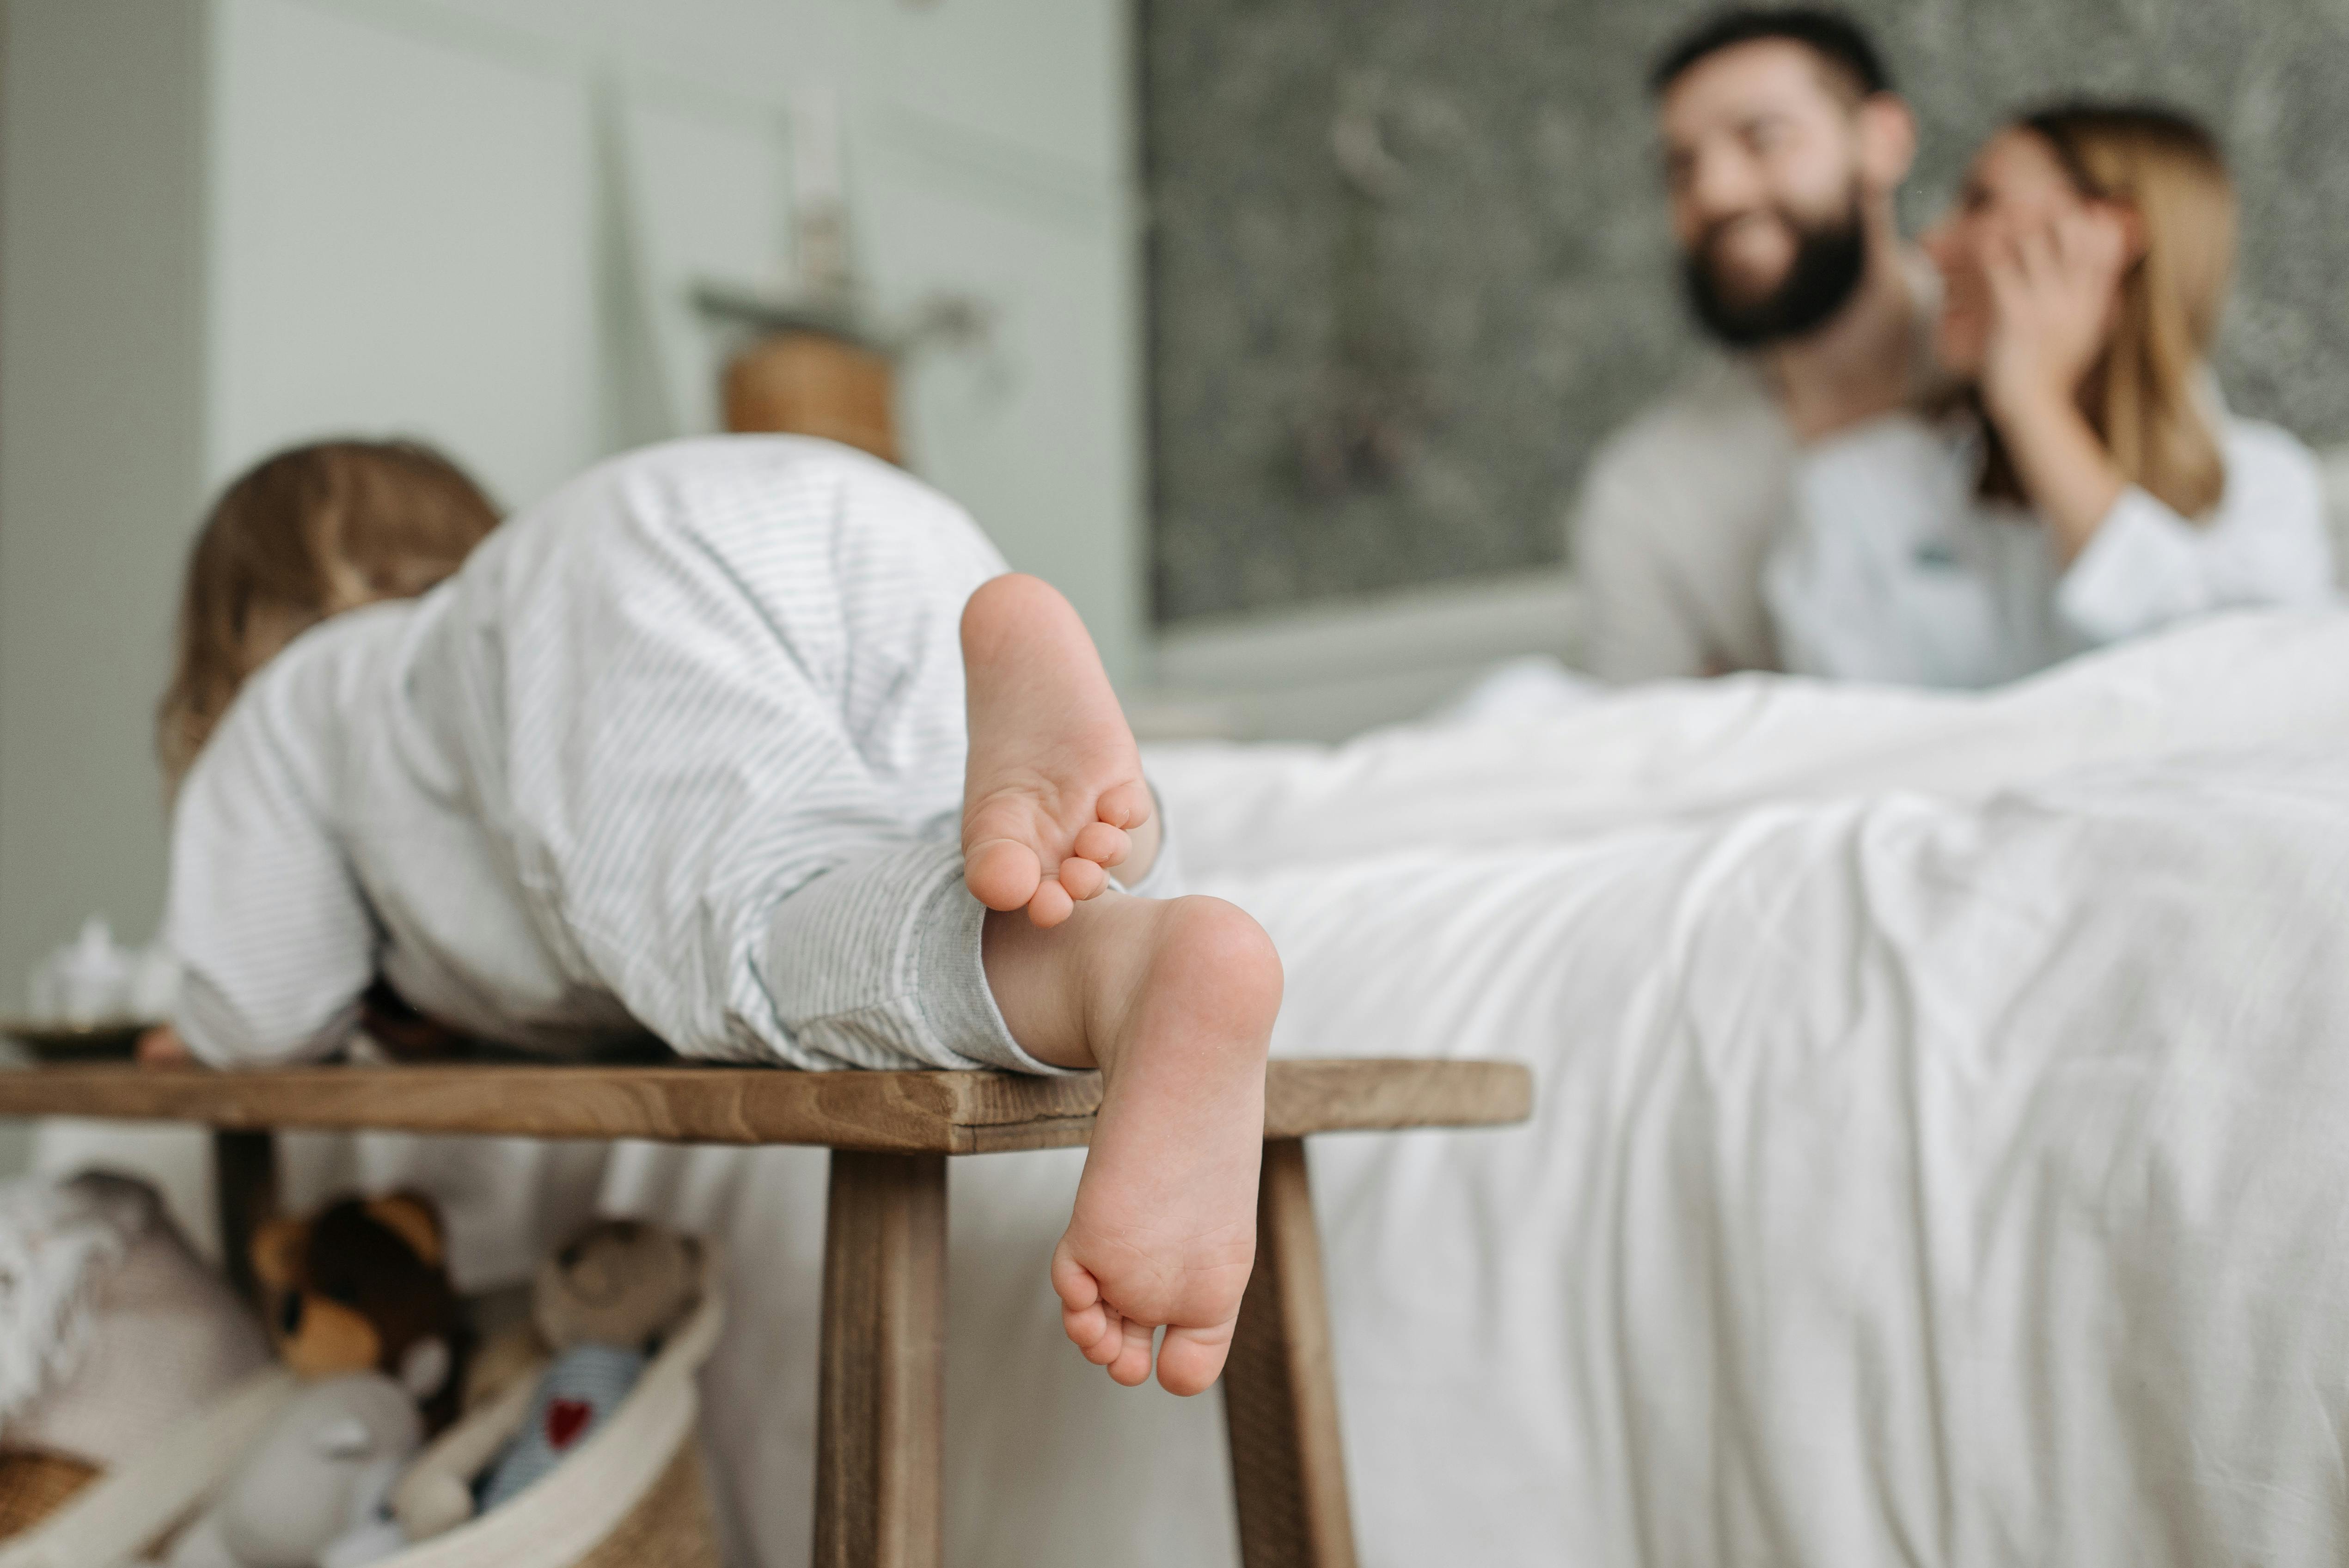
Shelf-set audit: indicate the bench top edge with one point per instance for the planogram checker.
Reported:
(725, 1103)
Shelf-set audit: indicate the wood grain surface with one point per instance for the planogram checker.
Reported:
(1281, 1388)
(880, 1462)
(899, 1113)
(881, 1395)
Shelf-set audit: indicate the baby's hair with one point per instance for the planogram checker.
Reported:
(306, 533)
(2145, 396)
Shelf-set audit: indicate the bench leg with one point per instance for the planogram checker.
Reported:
(1280, 1389)
(244, 1195)
(880, 1427)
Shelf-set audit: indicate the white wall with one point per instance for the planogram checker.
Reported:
(101, 448)
(482, 219)
(1325, 672)
(403, 238)
(230, 224)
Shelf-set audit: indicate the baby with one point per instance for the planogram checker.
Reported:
(753, 743)
(306, 533)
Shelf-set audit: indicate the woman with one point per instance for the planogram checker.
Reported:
(2090, 486)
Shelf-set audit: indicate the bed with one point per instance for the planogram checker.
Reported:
(1943, 1111)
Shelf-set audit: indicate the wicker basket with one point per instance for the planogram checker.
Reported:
(672, 1527)
(34, 1484)
(632, 1496)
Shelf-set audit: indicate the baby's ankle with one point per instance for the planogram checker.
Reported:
(1205, 956)
(1113, 966)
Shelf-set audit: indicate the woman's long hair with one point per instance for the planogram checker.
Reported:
(2144, 395)
(303, 536)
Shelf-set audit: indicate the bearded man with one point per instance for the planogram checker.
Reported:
(1783, 144)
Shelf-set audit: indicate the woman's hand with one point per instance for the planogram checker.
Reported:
(2054, 287)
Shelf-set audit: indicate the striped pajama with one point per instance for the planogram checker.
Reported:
(680, 749)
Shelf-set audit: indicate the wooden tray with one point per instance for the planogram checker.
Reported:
(116, 1041)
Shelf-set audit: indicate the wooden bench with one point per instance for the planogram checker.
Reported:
(879, 1442)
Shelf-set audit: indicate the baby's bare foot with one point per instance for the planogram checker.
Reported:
(1053, 793)
(1164, 1232)
(1174, 1000)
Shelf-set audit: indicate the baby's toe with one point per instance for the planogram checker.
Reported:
(1085, 1323)
(1190, 1360)
(1050, 903)
(1073, 1282)
(1125, 805)
(1081, 879)
(1096, 1331)
(1131, 1366)
(1001, 873)
(1102, 844)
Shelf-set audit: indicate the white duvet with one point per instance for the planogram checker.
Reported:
(1940, 1154)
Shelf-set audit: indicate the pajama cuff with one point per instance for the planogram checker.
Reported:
(955, 998)
(879, 964)
(951, 988)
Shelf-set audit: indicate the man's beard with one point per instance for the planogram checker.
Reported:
(1830, 258)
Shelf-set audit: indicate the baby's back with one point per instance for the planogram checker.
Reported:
(330, 750)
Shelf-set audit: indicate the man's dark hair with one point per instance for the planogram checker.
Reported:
(1836, 38)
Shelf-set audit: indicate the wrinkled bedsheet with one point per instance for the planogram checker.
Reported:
(1939, 1152)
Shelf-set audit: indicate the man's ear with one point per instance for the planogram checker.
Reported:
(1888, 141)
(413, 1219)
(276, 1252)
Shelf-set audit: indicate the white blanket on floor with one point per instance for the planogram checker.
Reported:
(1942, 1120)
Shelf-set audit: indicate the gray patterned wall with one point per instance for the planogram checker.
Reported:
(1409, 260)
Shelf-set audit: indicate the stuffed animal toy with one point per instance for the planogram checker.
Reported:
(312, 1494)
(600, 1306)
(362, 1286)
(361, 1307)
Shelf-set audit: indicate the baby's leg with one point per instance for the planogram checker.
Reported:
(1172, 999)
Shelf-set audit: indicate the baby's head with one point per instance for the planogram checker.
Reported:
(310, 532)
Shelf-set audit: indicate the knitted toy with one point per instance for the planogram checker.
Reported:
(364, 1285)
(312, 1494)
(360, 1307)
(600, 1306)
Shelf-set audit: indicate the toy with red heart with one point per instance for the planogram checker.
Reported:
(566, 1419)
(600, 1307)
